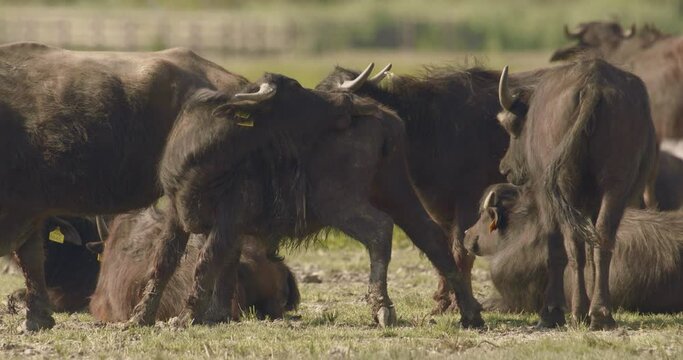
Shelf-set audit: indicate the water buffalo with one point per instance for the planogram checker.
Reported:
(266, 284)
(669, 182)
(70, 268)
(342, 171)
(584, 141)
(646, 273)
(454, 143)
(87, 131)
(655, 57)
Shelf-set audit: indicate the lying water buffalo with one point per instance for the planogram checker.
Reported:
(584, 141)
(87, 130)
(340, 171)
(266, 284)
(71, 269)
(646, 273)
(669, 182)
(454, 143)
(655, 57)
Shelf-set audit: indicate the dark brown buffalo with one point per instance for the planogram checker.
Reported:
(263, 283)
(669, 182)
(83, 133)
(70, 268)
(655, 57)
(454, 142)
(584, 141)
(343, 170)
(646, 273)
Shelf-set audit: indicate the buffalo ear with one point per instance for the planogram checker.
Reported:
(511, 122)
(240, 113)
(495, 218)
(96, 247)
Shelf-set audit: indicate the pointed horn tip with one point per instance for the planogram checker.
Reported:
(506, 99)
(356, 83)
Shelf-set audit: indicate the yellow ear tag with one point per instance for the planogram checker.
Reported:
(245, 116)
(99, 257)
(56, 236)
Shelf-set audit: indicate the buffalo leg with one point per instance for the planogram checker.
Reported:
(576, 259)
(219, 255)
(374, 229)
(31, 260)
(611, 211)
(552, 312)
(170, 248)
(398, 198)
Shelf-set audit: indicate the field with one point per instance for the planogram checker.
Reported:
(334, 322)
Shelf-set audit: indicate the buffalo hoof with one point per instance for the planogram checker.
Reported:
(386, 316)
(182, 321)
(550, 319)
(35, 323)
(602, 321)
(472, 322)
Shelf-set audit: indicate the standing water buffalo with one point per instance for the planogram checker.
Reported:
(454, 143)
(584, 141)
(655, 57)
(264, 283)
(83, 133)
(646, 273)
(345, 170)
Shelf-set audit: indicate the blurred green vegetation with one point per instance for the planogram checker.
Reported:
(489, 25)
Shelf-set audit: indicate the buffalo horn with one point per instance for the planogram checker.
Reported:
(573, 34)
(490, 200)
(355, 84)
(265, 92)
(102, 228)
(630, 32)
(380, 75)
(504, 95)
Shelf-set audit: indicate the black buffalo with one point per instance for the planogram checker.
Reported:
(655, 57)
(343, 168)
(584, 141)
(646, 273)
(454, 143)
(84, 132)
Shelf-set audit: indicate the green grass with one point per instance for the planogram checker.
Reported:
(334, 322)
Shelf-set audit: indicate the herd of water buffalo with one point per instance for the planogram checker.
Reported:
(210, 174)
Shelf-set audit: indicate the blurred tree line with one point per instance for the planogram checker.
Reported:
(419, 25)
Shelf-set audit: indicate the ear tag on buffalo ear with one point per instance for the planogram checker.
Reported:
(244, 115)
(493, 226)
(56, 236)
(99, 257)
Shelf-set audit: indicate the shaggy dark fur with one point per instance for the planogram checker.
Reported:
(454, 143)
(655, 57)
(669, 183)
(646, 273)
(263, 283)
(343, 166)
(82, 134)
(586, 145)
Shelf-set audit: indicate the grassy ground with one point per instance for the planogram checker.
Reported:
(334, 322)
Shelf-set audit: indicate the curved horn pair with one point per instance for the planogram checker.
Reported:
(504, 95)
(266, 91)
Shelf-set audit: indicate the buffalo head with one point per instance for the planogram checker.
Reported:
(488, 234)
(593, 39)
(512, 118)
(348, 80)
